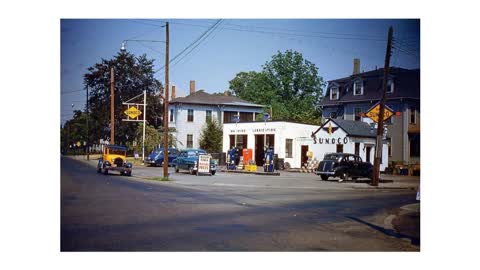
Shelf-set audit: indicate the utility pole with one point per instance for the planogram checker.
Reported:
(379, 145)
(88, 152)
(112, 106)
(165, 108)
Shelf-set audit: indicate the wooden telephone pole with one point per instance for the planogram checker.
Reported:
(112, 106)
(165, 108)
(379, 145)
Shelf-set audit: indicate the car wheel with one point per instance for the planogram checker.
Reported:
(343, 177)
(213, 172)
(176, 169)
(105, 171)
(190, 169)
(324, 177)
(129, 174)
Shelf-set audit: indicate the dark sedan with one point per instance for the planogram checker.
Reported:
(344, 166)
(156, 157)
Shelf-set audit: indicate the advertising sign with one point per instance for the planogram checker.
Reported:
(374, 113)
(203, 164)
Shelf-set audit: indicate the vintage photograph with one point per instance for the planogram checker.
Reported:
(240, 135)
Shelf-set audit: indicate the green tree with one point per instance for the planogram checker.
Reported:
(211, 137)
(132, 76)
(73, 131)
(153, 139)
(288, 84)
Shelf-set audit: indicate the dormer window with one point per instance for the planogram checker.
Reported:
(334, 93)
(358, 88)
(390, 86)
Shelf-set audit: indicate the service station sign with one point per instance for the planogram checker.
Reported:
(325, 135)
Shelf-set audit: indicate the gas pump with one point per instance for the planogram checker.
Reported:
(268, 165)
(232, 155)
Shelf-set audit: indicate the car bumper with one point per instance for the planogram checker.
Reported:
(324, 173)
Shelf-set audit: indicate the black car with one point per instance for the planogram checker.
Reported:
(344, 166)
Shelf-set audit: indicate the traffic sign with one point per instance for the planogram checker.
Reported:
(133, 112)
(374, 112)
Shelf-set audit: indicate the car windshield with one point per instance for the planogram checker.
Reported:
(195, 153)
(116, 152)
(158, 152)
(331, 157)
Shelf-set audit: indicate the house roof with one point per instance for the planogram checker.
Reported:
(353, 128)
(406, 85)
(200, 97)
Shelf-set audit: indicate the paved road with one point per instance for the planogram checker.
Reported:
(116, 213)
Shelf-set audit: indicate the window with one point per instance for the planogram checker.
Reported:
(339, 148)
(334, 93)
(190, 116)
(333, 115)
(208, 118)
(358, 88)
(288, 148)
(357, 112)
(171, 115)
(189, 140)
(414, 144)
(390, 149)
(413, 117)
(390, 86)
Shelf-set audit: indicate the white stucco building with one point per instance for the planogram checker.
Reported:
(291, 141)
(188, 115)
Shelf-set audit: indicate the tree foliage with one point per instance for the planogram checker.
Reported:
(133, 75)
(211, 137)
(288, 83)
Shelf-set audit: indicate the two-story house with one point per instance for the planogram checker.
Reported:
(188, 115)
(350, 97)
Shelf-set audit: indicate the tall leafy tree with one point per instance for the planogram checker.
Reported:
(288, 83)
(211, 137)
(133, 75)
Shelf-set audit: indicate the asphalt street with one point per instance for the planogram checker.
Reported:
(225, 212)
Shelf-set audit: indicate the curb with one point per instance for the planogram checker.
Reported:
(257, 173)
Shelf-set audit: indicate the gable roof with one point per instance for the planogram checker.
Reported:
(201, 97)
(406, 85)
(353, 128)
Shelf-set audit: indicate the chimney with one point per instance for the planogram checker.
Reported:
(173, 91)
(356, 66)
(192, 87)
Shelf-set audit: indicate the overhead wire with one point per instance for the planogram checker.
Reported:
(185, 55)
(190, 45)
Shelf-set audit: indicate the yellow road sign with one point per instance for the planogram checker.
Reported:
(374, 112)
(133, 112)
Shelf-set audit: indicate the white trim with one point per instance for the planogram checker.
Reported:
(336, 90)
(355, 88)
(392, 86)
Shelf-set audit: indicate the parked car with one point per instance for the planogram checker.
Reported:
(156, 157)
(344, 166)
(114, 158)
(188, 160)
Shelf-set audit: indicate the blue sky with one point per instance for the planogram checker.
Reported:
(235, 45)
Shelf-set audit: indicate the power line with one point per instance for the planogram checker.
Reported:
(191, 44)
(185, 55)
(69, 92)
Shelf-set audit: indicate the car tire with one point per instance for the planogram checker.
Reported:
(105, 171)
(343, 177)
(190, 169)
(176, 169)
(213, 172)
(324, 177)
(129, 174)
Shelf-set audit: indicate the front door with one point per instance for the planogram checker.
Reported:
(259, 149)
(304, 158)
(367, 150)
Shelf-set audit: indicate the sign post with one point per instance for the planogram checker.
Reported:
(133, 113)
